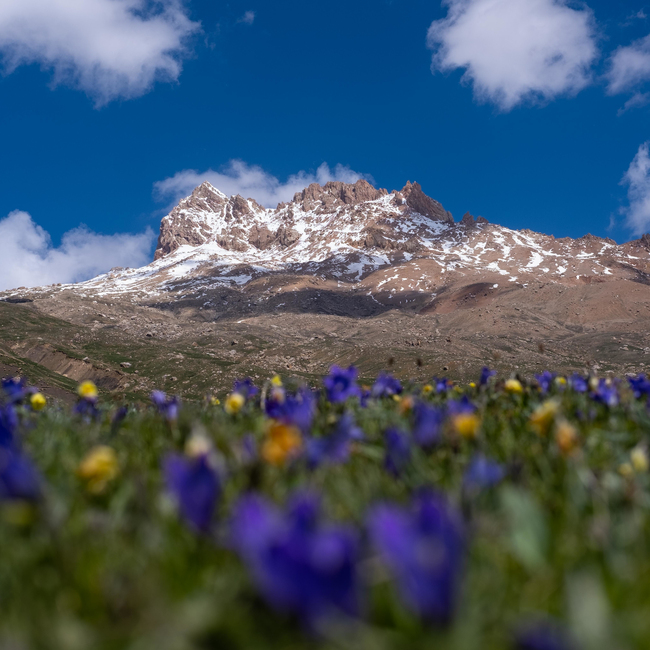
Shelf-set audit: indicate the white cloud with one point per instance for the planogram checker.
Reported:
(637, 178)
(638, 100)
(253, 182)
(27, 257)
(107, 48)
(516, 51)
(248, 18)
(629, 67)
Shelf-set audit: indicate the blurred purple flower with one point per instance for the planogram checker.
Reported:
(461, 406)
(423, 548)
(427, 426)
(295, 410)
(300, 565)
(386, 386)
(167, 405)
(19, 479)
(545, 380)
(442, 385)
(86, 407)
(482, 473)
(8, 426)
(579, 383)
(543, 636)
(334, 447)
(245, 387)
(486, 375)
(341, 384)
(640, 385)
(398, 451)
(196, 487)
(607, 393)
(15, 388)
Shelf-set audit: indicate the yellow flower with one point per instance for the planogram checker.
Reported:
(472, 384)
(514, 386)
(87, 390)
(98, 468)
(639, 458)
(566, 436)
(466, 424)
(626, 470)
(198, 445)
(542, 417)
(406, 404)
(427, 389)
(234, 403)
(276, 381)
(283, 442)
(215, 401)
(560, 381)
(38, 401)
(397, 398)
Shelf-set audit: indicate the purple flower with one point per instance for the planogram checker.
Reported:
(86, 407)
(543, 636)
(19, 478)
(15, 388)
(442, 385)
(196, 487)
(341, 384)
(427, 427)
(545, 381)
(334, 447)
(423, 548)
(8, 426)
(579, 383)
(486, 375)
(482, 473)
(607, 393)
(300, 565)
(295, 410)
(167, 405)
(398, 451)
(245, 387)
(640, 385)
(460, 407)
(386, 386)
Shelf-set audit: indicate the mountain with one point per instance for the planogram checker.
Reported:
(350, 273)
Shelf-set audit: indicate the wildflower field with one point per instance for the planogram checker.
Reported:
(507, 513)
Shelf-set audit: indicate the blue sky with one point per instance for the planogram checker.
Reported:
(101, 106)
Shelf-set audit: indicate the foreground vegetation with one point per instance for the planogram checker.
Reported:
(500, 514)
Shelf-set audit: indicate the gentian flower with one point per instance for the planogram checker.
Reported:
(195, 485)
(19, 479)
(606, 392)
(543, 636)
(579, 383)
(15, 388)
(398, 451)
(427, 427)
(167, 405)
(246, 388)
(640, 385)
(87, 409)
(334, 447)
(442, 385)
(486, 375)
(295, 410)
(423, 548)
(8, 426)
(545, 381)
(482, 473)
(300, 565)
(386, 386)
(341, 384)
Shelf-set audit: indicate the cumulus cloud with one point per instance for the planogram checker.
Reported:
(516, 51)
(637, 179)
(108, 48)
(629, 67)
(248, 18)
(28, 258)
(251, 181)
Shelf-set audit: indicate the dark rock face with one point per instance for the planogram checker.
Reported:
(419, 202)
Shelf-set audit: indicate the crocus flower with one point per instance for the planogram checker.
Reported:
(335, 447)
(341, 384)
(167, 405)
(427, 426)
(482, 473)
(543, 636)
(640, 385)
(545, 381)
(246, 388)
(19, 479)
(398, 451)
(195, 485)
(486, 375)
(300, 565)
(423, 548)
(386, 386)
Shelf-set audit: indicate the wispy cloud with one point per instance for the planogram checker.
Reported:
(629, 67)
(248, 18)
(516, 51)
(252, 181)
(28, 258)
(107, 48)
(638, 100)
(637, 179)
